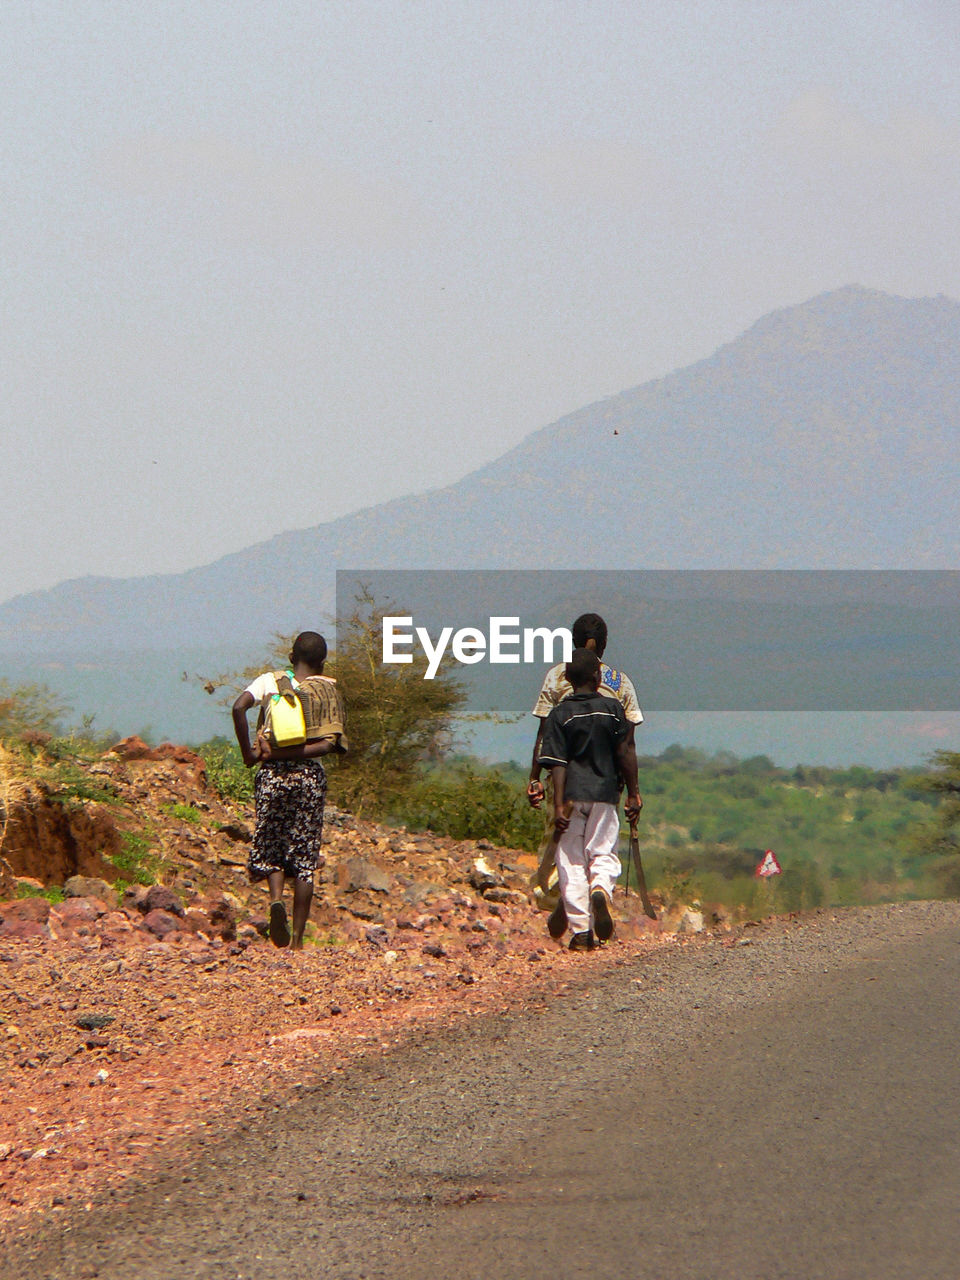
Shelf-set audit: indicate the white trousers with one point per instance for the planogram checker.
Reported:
(587, 858)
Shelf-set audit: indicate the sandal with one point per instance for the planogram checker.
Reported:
(279, 929)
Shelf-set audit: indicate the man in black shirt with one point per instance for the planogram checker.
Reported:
(587, 745)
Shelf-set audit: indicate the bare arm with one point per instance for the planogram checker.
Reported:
(562, 818)
(627, 762)
(250, 753)
(535, 791)
(631, 741)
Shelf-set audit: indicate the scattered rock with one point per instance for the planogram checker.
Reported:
(498, 894)
(301, 1033)
(418, 892)
(22, 930)
(160, 898)
(261, 924)
(232, 858)
(76, 911)
(94, 1021)
(134, 749)
(135, 897)
(237, 831)
(36, 910)
(357, 874)
(221, 909)
(161, 923)
(483, 877)
(638, 926)
(114, 926)
(90, 887)
(196, 921)
(691, 921)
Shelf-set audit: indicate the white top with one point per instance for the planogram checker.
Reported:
(267, 683)
(614, 684)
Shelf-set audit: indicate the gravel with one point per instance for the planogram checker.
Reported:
(333, 1182)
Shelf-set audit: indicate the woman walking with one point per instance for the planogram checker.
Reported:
(291, 784)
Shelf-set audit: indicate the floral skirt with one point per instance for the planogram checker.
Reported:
(289, 796)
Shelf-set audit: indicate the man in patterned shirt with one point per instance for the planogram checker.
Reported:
(589, 632)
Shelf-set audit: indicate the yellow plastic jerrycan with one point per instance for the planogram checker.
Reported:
(286, 727)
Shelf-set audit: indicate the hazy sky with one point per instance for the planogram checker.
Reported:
(267, 263)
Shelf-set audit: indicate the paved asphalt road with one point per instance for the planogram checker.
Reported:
(786, 1108)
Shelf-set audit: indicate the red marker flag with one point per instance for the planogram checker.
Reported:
(769, 866)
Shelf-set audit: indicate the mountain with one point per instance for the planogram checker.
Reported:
(826, 436)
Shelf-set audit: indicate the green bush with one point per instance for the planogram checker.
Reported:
(52, 892)
(29, 712)
(842, 836)
(184, 813)
(71, 784)
(138, 861)
(471, 801)
(226, 772)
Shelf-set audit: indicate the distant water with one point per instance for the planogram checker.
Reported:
(142, 691)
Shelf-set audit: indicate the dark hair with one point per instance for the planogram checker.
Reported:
(310, 648)
(583, 668)
(590, 626)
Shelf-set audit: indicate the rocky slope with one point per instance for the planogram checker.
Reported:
(132, 1014)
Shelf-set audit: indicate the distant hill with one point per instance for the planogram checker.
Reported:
(826, 436)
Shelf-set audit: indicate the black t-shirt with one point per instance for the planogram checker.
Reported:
(583, 732)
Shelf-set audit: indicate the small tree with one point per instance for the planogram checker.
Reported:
(941, 837)
(29, 713)
(396, 720)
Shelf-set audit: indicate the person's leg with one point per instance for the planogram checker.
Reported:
(279, 928)
(572, 870)
(302, 898)
(267, 848)
(601, 838)
(305, 822)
